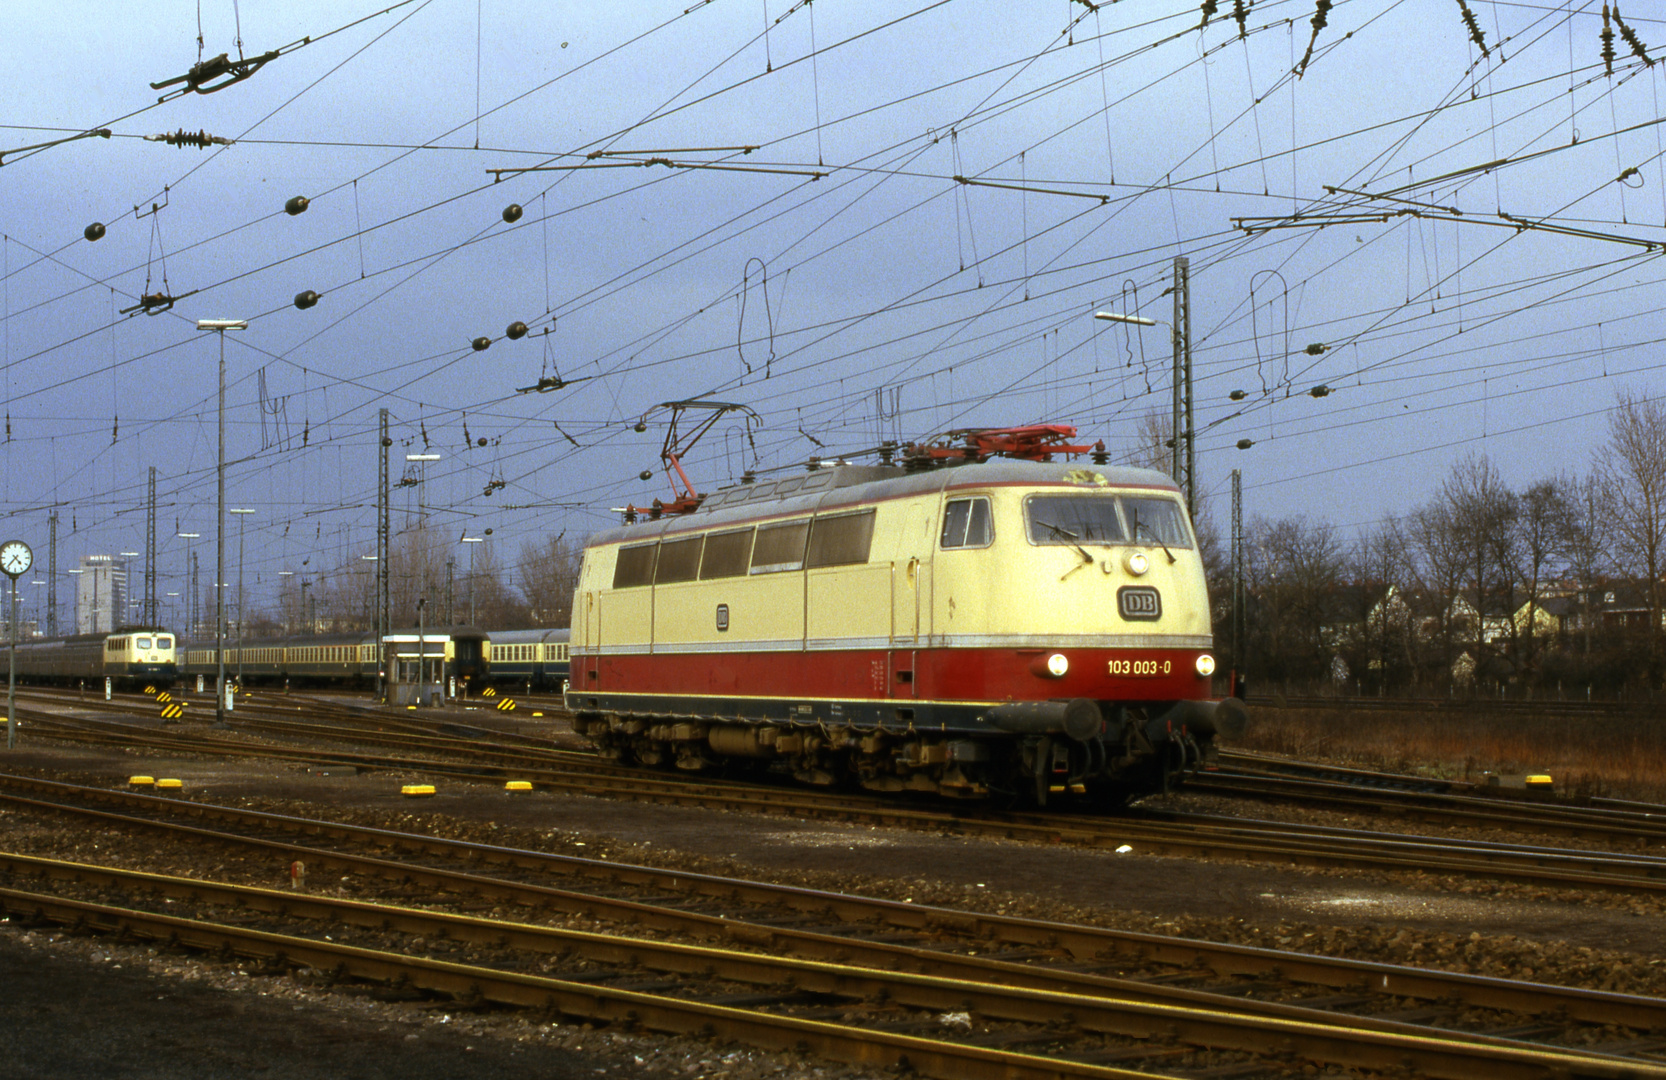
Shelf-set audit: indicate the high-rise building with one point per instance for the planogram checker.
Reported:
(100, 594)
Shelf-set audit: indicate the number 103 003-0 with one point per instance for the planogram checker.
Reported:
(1138, 667)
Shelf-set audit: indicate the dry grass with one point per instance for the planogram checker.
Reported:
(1622, 756)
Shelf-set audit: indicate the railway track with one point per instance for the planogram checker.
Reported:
(1467, 706)
(1151, 833)
(857, 979)
(1620, 824)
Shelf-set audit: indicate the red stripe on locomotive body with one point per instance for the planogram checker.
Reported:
(902, 675)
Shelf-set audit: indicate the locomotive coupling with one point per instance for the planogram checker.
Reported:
(1078, 718)
(1225, 718)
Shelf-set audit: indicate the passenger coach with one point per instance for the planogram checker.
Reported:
(348, 659)
(536, 659)
(132, 657)
(1006, 626)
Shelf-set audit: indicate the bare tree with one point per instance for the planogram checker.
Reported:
(497, 605)
(548, 575)
(1631, 469)
(1483, 513)
(1378, 606)
(1545, 509)
(416, 571)
(1588, 546)
(1154, 442)
(1441, 560)
(1292, 572)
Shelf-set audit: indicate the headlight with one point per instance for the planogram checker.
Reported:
(1137, 563)
(1051, 667)
(1205, 665)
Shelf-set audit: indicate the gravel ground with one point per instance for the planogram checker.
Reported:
(106, 1010)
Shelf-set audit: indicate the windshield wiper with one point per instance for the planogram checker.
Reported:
(1138, 525)
(1072, 538)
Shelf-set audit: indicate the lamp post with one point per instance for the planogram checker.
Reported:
(369, 603)
(1180, 462)
(176, 613)
(220, 326)
(78, 572)
(422, 648)
(126, 580)
(241, 512)
(190, 595)
(471, 541)
(283, 598)
(422, 461)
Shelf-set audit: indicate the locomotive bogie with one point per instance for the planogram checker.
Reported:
(967, 630)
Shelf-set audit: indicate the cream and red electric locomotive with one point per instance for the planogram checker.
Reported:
(980, 620)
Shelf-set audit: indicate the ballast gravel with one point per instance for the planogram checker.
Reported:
(85, 1006)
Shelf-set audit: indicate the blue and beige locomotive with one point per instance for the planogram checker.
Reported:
(131, 658)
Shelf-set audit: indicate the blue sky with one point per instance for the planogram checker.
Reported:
(835, 277)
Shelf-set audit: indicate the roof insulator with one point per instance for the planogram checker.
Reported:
(516, 331)
(1245, 444)
(481, 344)
(95, 231)
(512, 213)
(297, 205)
(304, 300)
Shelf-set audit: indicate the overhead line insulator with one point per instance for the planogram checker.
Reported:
(202, 140)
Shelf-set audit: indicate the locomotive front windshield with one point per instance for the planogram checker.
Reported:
(1105, 519)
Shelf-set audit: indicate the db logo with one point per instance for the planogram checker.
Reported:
(1139, 602)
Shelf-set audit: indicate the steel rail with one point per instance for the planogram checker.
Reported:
(1616, 827)
(1243, 841)
(724, 963)
(1085, 944)
(1238, 764)
(1430, 1054)
(580, 1000)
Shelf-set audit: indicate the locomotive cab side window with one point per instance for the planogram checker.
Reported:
(841, 539)
(635, 566)
(679, 560)
(966, 524)
(780, 547)
(728, 554)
